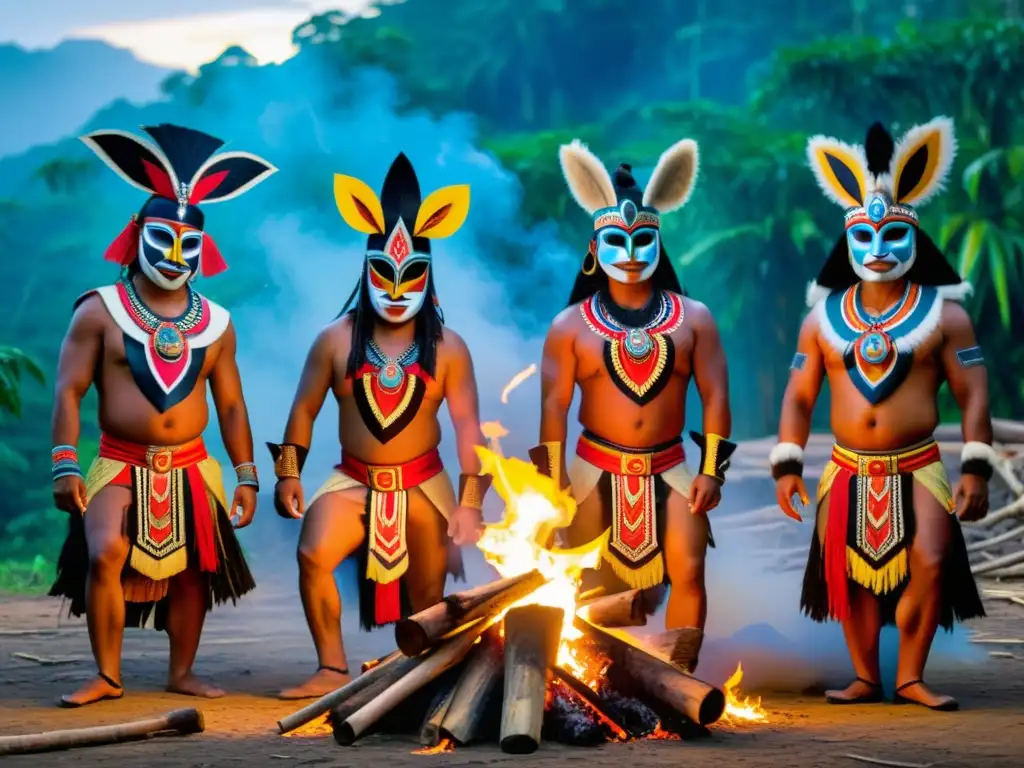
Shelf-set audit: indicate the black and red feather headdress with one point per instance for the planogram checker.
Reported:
(179, 170)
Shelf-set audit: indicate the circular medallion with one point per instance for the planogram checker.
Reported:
(874, 347)
(638, 343)
(168, 342)
(877, 467)
(628, 211)
(390, 376)
(161, 461)
(876, 209)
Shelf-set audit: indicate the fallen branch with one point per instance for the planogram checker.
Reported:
(45, 661)
(180, 722)
(1014, 558)
(996, 640)
(893, 763)
(1014, 533)
(1012, 572)
(1011, 510)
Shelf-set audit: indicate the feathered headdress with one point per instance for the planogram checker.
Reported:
(885, 180)
(387, 220)
(180, 171)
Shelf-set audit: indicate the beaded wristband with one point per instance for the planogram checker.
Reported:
(288, 459)
(472, 489)
(245, 474)
(547, 458)
(65, 462)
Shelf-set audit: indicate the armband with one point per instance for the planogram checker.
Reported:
(715, 452)
(245, 474)
(547, 458)
(978, 459)
(786, 459)
(970, 357)
(472, 489)
(65, 462)
(288, 459)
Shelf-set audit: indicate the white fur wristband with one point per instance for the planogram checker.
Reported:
(786, 459)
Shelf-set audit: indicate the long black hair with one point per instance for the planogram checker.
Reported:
(663, 279)
(428, 332)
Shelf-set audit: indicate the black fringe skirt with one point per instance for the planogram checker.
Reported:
(231, 581)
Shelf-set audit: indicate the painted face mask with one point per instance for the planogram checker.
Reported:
(397, 277)
(180, 170)
(169, 252)
(398, 261)
(882, 239)
(628, 242)
(627, 220)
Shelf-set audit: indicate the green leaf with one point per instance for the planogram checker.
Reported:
(998, 261)
(950, 227)
(715, 239)
(803, 229)
(974, 171)
(970, 248)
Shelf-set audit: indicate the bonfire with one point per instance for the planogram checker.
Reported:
(527, 656)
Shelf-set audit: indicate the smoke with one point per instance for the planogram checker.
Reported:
(313, 262)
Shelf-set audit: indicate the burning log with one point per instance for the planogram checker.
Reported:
(593, 700)
(426, 628)
(679, 646)
(532, 633)
(624, 609)
(366, 666)
(427, 668)
(336, 697)
(699, 702)
(390, 675)
(464, 720)
(180, 722)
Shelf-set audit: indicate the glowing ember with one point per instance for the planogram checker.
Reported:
(313, 729)
(516, 380)
(749, 710)
(445, 745)
(660, 734)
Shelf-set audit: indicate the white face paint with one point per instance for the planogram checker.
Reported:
(169, 252)
(397, 278)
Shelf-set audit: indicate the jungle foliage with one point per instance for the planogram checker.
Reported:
(749, 81)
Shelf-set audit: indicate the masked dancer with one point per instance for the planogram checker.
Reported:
(151, 539)
(632, 342)
(390, 363)
(886, 330)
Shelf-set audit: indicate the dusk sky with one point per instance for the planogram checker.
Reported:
(173, 33)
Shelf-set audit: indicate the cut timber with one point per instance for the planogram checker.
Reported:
(625, 609)
(464, 720)
(427, 628)
(391, 674)
(443, 658)
(430, 731)
(681, 646)
(532, 633)
(334, 698)
(702, 703)
(366, 666)
(180, 722)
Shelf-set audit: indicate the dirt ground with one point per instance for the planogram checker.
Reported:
(262, 645)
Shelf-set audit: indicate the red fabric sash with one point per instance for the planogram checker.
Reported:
(160, 461)
(386, 528)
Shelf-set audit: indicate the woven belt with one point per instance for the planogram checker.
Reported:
(393, 477)
(898, 463)
(629, 461)
(160, 459)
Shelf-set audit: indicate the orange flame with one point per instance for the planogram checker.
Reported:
(445, 745)
(737, 709)
(313, 729)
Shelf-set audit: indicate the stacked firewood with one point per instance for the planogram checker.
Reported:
(995, 544)
(484, 664)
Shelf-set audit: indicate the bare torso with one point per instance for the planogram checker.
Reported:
(908, 416)
(422, 434)
(610, 414)
(124, 411)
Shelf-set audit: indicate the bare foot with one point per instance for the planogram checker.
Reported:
(860, 691)
(916, 692)
(320, 684)
(190, 685)
(97, 689)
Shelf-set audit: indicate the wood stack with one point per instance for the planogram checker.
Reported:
(995, 545)
(482, 665)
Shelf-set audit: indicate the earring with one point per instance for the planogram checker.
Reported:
(589, 261)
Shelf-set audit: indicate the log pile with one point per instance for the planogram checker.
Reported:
(995, 545)
(485, 665)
